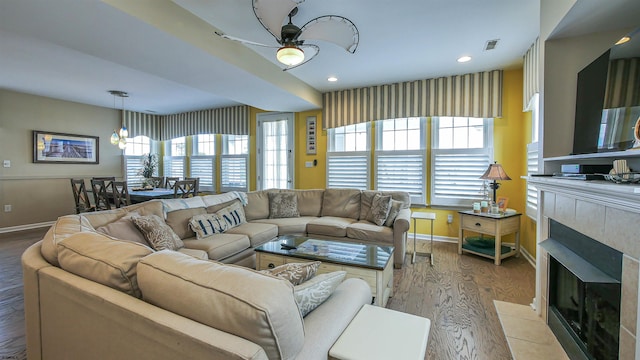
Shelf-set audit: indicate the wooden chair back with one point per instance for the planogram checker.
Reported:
(102, 193)
(80, 196)
(107, 179)
(121, 194)
(158, 181)
(171, 182)
(185, 189)
(197, 183)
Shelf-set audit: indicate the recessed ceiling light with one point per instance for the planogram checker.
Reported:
(623, 40)
(332, 79)
(464, 59)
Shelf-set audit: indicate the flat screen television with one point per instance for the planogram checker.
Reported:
(608, 100)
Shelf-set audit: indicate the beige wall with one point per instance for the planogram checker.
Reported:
(39, 193)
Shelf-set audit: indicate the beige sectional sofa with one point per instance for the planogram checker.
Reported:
(94, 289)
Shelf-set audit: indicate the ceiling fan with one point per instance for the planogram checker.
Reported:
(293, 46)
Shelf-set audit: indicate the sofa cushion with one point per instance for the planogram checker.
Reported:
(379, 210)
(283, 205)
(64, 227)
(364, 230)
(257, 205)
(214, 208)
(104, 260)
(330, 226)
(124, 229)
(220, 246)
(310, 294)
(366, 197)
(230, 298)
(179, 221)
(206, 225)
(258, 233)
(233, 215)
(158, 234)
(169, 205)
(291, 226)
(310, 202)
(393, 212)
(295, 273)
(198, 254)
(344, 203)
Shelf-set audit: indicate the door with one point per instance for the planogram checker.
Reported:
(275, 151)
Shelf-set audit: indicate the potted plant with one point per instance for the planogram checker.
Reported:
(149, 166)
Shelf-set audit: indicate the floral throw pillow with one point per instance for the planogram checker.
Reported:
(310, 294)
(205, 225)
(296, 273)
(283, 205)
(158, 234)
(380, 206)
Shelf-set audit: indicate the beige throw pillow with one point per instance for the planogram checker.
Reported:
(380, 206)
(393, 212)
(283, 205)
(158, 234)
(206, 225)
(310, 294)
(233, 215)
(296, 273)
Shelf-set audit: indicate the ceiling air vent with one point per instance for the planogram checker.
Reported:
(491, 44)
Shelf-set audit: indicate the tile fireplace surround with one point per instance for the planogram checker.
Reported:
(607, 212)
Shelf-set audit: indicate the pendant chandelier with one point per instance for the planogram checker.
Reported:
(119, 138)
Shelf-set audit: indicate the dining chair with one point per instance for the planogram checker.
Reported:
(158, 181)
(197, 179)
(121, 194)
(81, 196)
(171, 182)
(185, 189)
(102, 193)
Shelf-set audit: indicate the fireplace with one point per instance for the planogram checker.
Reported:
(584, 279)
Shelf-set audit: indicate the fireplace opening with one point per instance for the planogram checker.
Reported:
(584, 293)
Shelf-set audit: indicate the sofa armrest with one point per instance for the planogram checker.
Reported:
(400, 227)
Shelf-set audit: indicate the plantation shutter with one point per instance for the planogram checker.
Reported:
(203, 167)
(456, 178)
(174, 166)
(348, 170)
(133, 165)
(233, 173)
(402, 171)
(532, 191)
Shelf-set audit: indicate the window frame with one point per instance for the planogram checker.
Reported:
(340, 159)
(234, 159)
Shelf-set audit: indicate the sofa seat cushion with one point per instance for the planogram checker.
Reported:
(330, 226)
(219, 246)
(289, 226)
(198, 254)
(237, 300)
(364, 230)
(258, 233)
(99, 258)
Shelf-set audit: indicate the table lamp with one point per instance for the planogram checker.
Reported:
(495, 172)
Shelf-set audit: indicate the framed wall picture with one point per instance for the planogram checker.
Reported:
(59, 148)
(311, 135)
(502, 201)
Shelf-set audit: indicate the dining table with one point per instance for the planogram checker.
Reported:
(141, 195)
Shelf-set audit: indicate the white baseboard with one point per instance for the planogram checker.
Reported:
(528, 256)
(26, 227)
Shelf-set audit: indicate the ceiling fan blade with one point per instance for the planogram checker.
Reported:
(243, 41)
(310, 51)
(334, 29)
(272, 14)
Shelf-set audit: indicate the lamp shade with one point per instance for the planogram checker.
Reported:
(290, 55)
(495, 172)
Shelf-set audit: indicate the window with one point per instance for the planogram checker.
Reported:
(532, 157)
(174, 159)
(203, 160)
(136, 147)
(462, 151)
(348, 157)
(400, 157)
(234, 163)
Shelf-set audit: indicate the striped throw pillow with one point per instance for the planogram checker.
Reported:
(205, 225)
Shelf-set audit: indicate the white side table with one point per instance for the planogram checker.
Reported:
(422, 216)
(377, 333)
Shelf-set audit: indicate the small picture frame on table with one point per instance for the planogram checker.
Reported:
(502, 202)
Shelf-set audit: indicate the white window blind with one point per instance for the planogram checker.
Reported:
(402, 171)
(132, 166)
(203, 167)
(233, 175)
(348, 170)
(532, 191)
(174, 166)
(462, 151)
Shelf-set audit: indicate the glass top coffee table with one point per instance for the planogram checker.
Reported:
(372, 263)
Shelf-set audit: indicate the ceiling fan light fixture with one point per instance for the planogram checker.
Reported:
(290, 55)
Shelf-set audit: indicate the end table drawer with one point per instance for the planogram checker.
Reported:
(476, 223)
(268, 261)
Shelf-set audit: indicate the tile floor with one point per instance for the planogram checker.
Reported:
(528, 335)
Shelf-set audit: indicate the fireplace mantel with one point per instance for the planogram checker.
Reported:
(607, 212)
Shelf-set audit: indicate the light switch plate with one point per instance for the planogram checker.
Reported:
(6, 163)
(308, 163)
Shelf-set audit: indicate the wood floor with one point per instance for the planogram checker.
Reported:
(456, 293)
